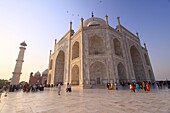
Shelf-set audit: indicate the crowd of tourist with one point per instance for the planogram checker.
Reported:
(32, 88)
(136, 86)
(26, 88)
(141, 85)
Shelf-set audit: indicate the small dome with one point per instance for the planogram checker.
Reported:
(37, 73)
(94, 21)
(23, 44)
(45, 72)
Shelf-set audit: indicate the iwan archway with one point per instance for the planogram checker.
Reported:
(137, 64)
(98, 73)
(59, 68)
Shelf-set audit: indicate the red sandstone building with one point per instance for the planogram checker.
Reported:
(37, 78)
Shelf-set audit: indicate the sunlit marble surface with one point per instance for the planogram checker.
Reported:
(86, 101)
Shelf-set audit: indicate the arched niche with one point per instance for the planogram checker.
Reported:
(51, 62)
(75, 75)
(96, 45)
(75, 50)
(121, 72)
(146, 59)
(151, 75)
(117, 47)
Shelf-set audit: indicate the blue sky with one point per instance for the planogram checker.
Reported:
(40, 22)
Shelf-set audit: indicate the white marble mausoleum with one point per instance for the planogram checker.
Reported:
(98, 53)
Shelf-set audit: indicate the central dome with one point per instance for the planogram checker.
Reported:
(94, 21)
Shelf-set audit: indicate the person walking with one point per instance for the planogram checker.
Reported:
(147, 87)
(137, 87)
(107, 85)
(1, 91)
(144, 86)
(59, 88)
(130, 87)
(5, 88)
(116, 85)
(133, 87)
(68, 89)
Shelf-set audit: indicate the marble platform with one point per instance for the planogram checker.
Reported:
(86, 101)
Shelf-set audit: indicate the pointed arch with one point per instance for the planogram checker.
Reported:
(137, 64)
(151, 75)
(51, 63)
(121, 72)
(59, 68)
(96, 45)
(97, 72)
(75, 75)
(146, 59)
(117, 47)
(75, 50)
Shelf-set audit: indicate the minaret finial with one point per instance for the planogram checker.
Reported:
(145, 45)
(55, 41)
(82, 22)
(137, 34)
(70, 25)
(106, 20)
(92, 14)
(50, 52)
(118, 18)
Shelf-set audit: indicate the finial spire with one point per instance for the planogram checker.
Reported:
(55, 41)
(50, 52)
(23, 44)
(106, 20)
(82, 22)
(145, 45)
(118, 18)
(92, 14)
(70, 25)
(137, 34)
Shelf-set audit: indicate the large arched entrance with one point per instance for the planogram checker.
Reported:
(75, 75)
(59, 68)
(121, 72)
(137, 64)
(98, 73)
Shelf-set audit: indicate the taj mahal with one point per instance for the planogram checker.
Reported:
(98, 53)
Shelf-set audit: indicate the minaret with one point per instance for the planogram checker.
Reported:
(18, 66)
(106, 17)
(119, 25)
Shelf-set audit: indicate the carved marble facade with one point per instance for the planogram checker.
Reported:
(97, 54)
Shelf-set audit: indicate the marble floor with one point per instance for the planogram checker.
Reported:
(86, 101)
